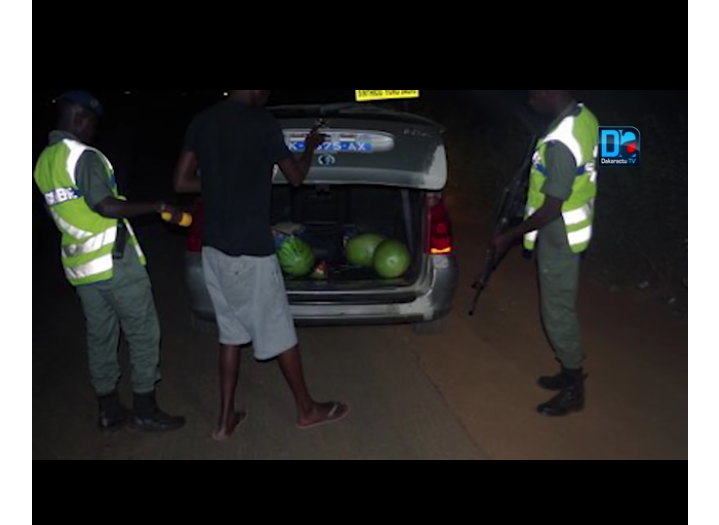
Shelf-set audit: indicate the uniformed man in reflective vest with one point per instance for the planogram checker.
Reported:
(103, 260)
(559, 221)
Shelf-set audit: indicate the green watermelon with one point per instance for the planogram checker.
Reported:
(296, 257)
(392, 260)
(361, 249)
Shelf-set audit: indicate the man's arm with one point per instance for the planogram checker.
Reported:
(547, 214)
(187, 179)
(296, 170)
(562, 171)
(113, 208)
(96, 188)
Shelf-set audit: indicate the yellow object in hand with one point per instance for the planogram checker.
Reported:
(185, 222)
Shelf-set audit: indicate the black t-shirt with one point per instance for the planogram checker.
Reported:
(237, 147)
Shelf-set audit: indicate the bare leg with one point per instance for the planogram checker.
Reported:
(309, 412)
(230, 358)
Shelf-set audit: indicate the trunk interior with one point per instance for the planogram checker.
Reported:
(330, 215)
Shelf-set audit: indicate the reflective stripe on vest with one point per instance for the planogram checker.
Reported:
(98, 242)
(574, 217)
(565, 134)
(580, 237)
(84, 271)
(571, 218)
(68, 228)
(138, 249)
(76, 151)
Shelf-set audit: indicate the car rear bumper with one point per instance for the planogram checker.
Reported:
(432, 301)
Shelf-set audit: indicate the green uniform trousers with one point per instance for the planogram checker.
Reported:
(559, 270)
(124, 303)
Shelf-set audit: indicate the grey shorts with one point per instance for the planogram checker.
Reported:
(250, 301)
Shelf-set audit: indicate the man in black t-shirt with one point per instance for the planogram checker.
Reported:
(235, 145)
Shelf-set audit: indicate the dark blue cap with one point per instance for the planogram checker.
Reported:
(83, 98)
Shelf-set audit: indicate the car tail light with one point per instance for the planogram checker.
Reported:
(440, 226)
(194, 237)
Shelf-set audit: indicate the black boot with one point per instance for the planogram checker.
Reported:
(112, 415)
(570, 400)
(147, 416)
(561, 381)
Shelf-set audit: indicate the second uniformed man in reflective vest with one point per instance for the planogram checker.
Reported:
(559, 222)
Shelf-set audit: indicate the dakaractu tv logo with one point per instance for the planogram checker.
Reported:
(620, 146)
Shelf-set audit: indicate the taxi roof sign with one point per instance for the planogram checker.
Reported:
(368, 95)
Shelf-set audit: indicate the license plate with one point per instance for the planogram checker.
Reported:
(334, 147)
(342, 142)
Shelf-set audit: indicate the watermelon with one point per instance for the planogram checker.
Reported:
(296, 257)
(392, 259)
(361, 249)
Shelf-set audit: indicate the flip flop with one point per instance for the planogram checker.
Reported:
(331, 417)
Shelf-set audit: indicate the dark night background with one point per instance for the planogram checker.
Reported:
(642, 224)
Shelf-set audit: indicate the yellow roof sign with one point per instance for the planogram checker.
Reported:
(367, 95)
